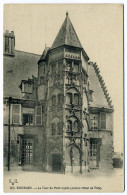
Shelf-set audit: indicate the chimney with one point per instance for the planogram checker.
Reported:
(9, 43)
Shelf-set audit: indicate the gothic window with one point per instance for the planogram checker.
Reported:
(76, 99)
(69, 125)
(85, 78)
(42, 80)
(16, 114)
(38, 115)
(59, 128)
(53, 128)
(69, 98)
(53, 100)
(69, 66)
(60, 99)
(103, 120)
(76, 67)
(93, 121)
(53, 69)
(76, 126)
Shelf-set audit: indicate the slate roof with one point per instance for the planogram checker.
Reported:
(18, 68)
(67, 35)
(43, 56)
(100, 94)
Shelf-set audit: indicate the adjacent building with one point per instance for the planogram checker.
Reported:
(58, 116)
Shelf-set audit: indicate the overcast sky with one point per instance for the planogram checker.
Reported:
(100, 31)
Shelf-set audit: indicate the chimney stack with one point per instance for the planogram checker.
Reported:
(9, 43)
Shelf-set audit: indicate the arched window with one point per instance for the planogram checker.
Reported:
(76, 126)
(69, 98)
(53, 128)
(53, 69)
(60, 99)
(76, 67)
(53, 100)
(59, 128)
(76, 99)
(69, 125)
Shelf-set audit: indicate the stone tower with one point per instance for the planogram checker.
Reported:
(70, 121)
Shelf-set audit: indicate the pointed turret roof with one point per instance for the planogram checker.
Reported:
(67, 35)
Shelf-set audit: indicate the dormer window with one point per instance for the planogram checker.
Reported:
(27, 86)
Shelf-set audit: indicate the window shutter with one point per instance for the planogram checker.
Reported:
(38, 117)
(103, 120)
(93, 121)
(16, 113)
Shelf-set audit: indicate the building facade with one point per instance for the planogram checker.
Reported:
(60, 119)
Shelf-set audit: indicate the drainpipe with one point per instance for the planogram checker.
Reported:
(9, 134)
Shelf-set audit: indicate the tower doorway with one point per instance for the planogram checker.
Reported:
(56, 163)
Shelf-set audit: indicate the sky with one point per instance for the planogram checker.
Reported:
(100, 31)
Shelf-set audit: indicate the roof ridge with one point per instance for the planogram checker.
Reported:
(102, 83)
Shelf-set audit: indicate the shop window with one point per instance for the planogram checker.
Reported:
(93, 122)
(53, 128)
(69, 125)
(103, 120)
(76, 99)
(27, 119)
(38, 115)
(53, 100)
(16, 114)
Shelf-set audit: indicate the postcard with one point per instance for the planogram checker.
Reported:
(63, 125)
